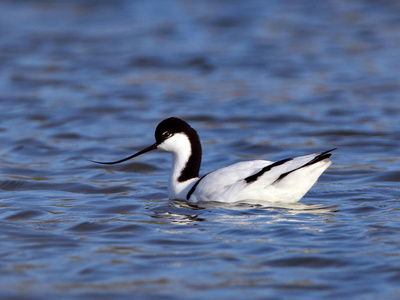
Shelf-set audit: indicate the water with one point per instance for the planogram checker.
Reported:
(86, 80)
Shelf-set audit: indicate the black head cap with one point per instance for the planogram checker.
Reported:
(165, 130)
(170, 126)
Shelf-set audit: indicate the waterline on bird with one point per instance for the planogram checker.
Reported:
(293, 208)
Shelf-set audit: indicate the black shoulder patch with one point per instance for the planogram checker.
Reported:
(194, 187)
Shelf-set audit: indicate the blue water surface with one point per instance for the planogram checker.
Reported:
(84, 80)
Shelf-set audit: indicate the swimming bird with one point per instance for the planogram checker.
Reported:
(255, 182)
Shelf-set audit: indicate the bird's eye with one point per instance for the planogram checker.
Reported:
(166, 134)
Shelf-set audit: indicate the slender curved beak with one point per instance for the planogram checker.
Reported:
(150, 148)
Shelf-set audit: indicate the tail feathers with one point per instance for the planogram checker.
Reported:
(321, 156)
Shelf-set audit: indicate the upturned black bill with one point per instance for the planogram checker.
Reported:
(150, 148)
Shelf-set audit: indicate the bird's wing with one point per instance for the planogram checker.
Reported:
(218, 181)
(257, 173)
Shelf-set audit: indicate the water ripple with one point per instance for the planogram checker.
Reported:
(90, 80)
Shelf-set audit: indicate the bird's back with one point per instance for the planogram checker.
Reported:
(261, 181)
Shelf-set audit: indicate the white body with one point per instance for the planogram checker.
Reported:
(228, 184)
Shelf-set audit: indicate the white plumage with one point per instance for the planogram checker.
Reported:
(255, 182)
(227, 184)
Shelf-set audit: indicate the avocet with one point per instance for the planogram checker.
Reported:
(256, 181)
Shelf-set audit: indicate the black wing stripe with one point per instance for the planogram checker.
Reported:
(318, 158)
(254, 177)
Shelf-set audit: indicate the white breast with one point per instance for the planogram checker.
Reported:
(179, 146)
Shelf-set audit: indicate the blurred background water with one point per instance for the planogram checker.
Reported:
(86, 80)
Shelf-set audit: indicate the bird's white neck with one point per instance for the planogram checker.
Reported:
(185, 164)
(179, 189)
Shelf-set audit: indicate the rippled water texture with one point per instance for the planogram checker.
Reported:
(84, 80)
